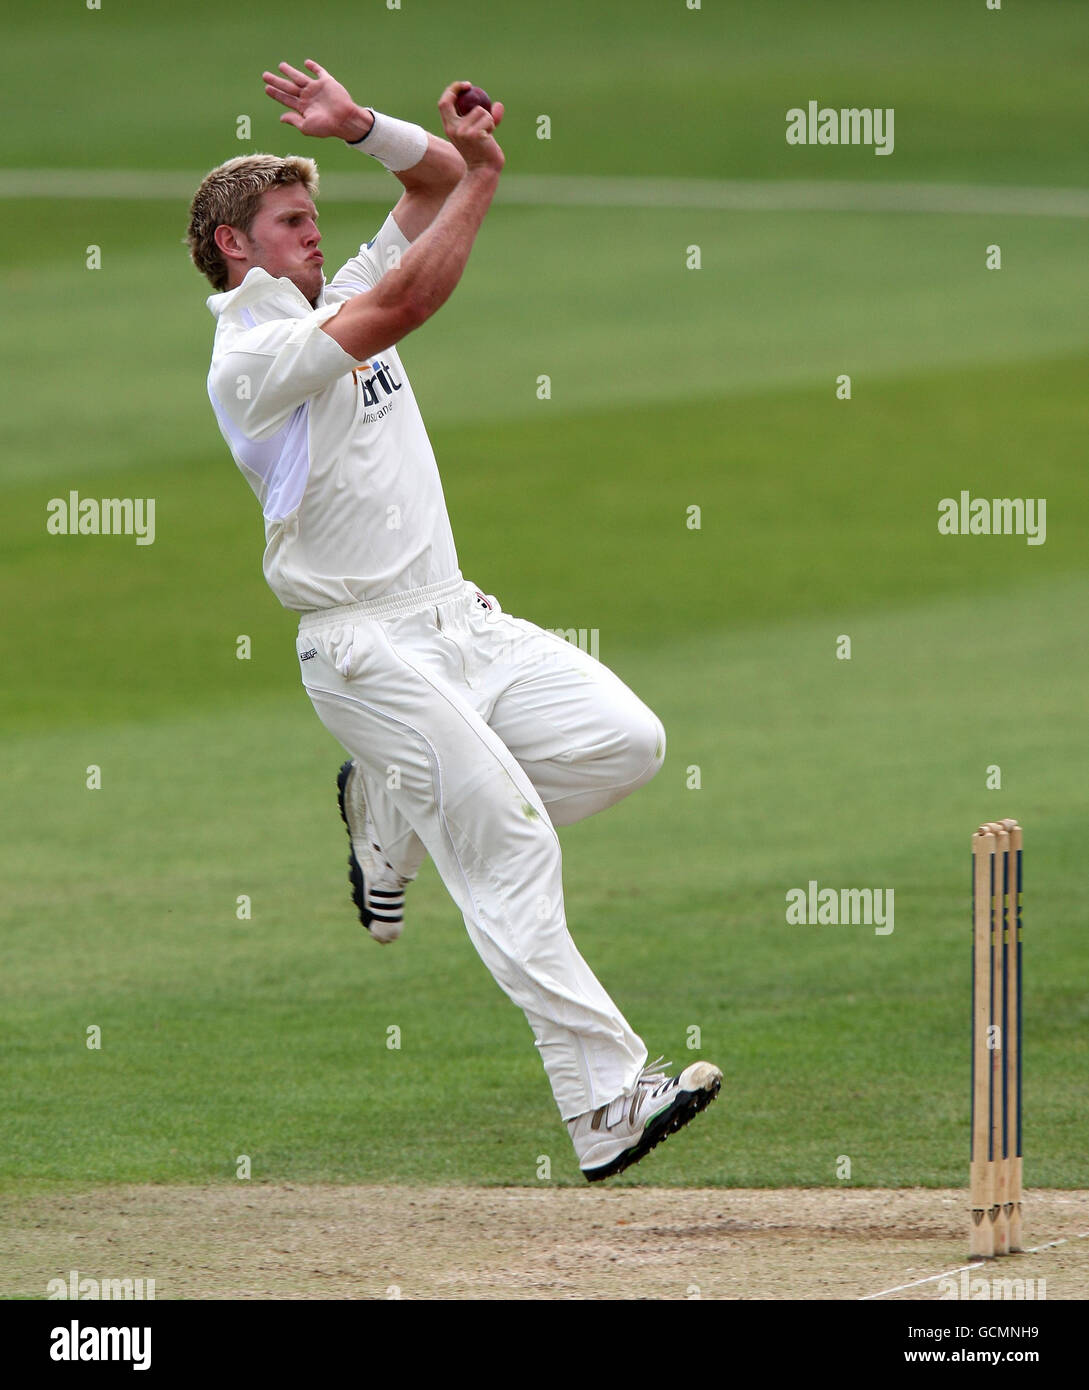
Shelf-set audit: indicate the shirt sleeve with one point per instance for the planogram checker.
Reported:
(272, 368)
(369, 264)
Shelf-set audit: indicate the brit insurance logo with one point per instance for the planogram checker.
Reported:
(371, 377)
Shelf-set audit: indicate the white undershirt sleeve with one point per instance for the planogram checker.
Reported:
(369, 264)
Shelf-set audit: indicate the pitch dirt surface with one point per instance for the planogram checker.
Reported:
(265, 1242)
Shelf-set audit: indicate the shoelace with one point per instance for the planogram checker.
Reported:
(650, 1081)
(655, 1071)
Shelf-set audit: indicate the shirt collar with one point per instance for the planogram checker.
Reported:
(259, 285)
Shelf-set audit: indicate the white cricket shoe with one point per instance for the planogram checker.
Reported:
(378, 891)
(614, 1136)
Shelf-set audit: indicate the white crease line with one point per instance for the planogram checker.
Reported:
(928, 1280)
(1082, 1235)
(618, 191)
(1032, 1250)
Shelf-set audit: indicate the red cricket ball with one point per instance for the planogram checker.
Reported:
(470, 97)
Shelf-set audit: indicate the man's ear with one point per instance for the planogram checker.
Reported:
(233, 245)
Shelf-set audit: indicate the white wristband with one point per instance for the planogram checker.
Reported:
(396, 144)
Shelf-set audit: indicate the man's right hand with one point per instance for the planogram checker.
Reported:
(406, 297)
(472, 135)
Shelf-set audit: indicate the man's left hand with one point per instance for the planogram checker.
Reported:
(319, 105)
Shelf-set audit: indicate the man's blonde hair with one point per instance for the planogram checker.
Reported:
(231, 195)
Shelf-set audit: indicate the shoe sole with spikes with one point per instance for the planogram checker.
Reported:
(684, 1107)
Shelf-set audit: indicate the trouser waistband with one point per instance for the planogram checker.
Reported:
(393, 606)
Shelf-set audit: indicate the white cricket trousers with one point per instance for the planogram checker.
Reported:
(477, 733)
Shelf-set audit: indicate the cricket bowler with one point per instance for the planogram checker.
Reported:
(471, 734)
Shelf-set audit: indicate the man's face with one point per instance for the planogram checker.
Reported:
(283, 239)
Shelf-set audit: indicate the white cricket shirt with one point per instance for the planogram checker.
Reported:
(335, 449)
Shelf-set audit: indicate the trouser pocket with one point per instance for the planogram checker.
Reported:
(326, 649)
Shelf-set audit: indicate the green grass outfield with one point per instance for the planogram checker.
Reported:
(671, 388)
